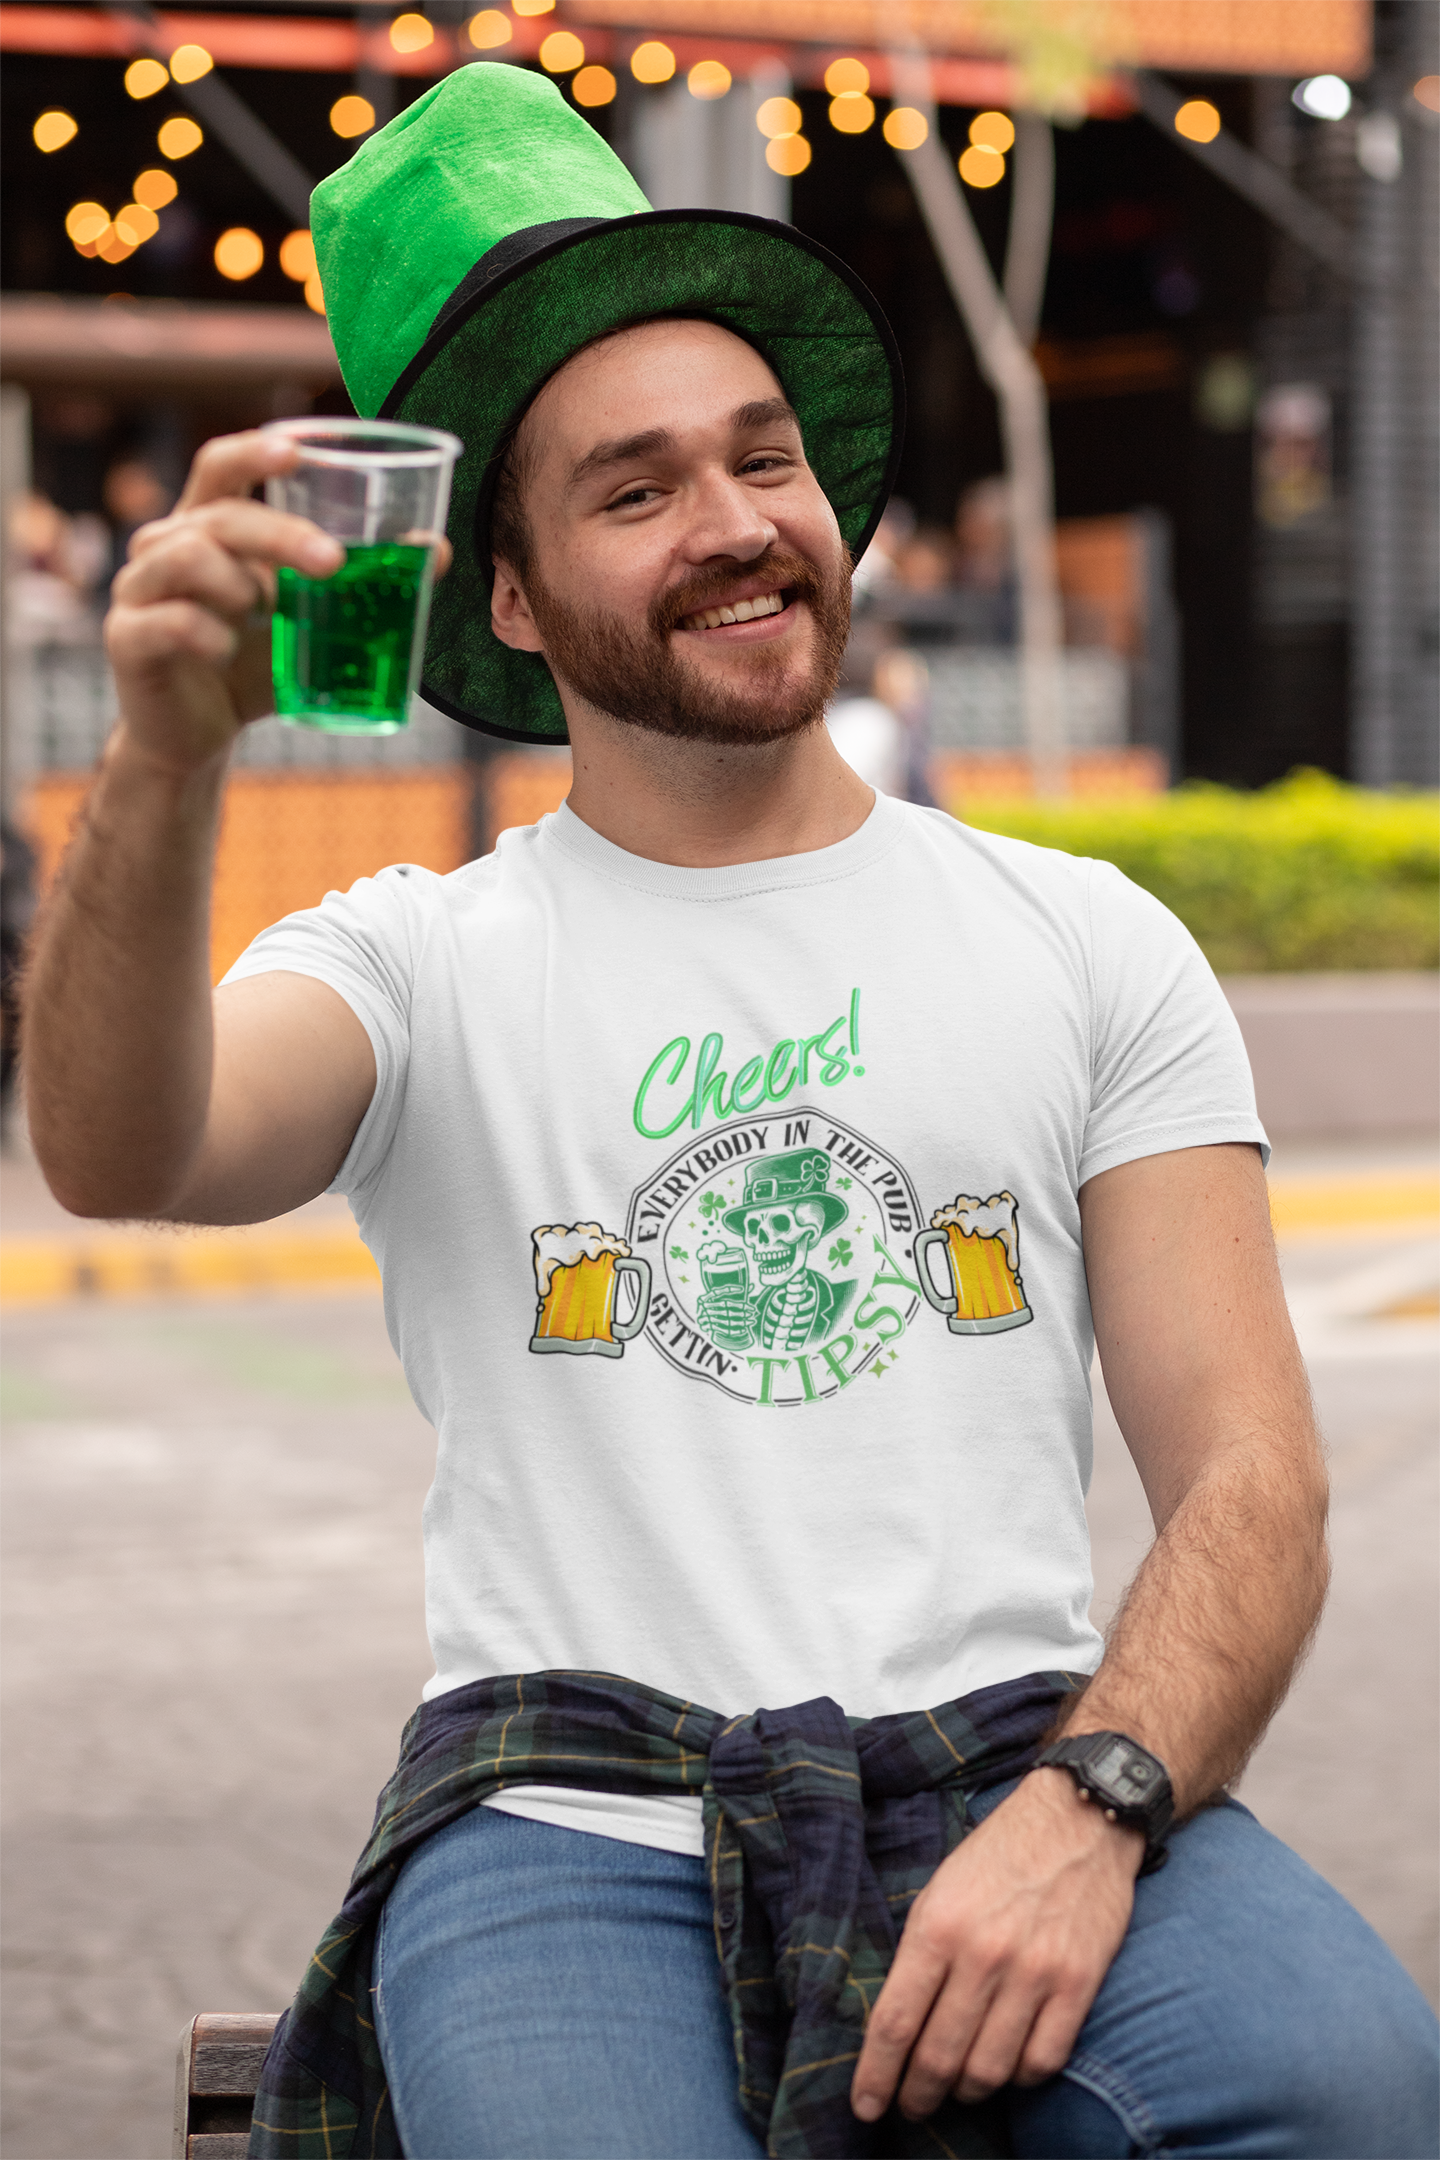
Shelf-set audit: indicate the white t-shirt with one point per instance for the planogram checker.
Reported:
(647, 1172)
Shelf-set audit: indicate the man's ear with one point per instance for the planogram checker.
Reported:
(510, 616)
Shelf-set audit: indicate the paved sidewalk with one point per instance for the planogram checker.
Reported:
(215, 1633)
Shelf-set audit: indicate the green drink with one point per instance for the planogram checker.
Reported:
(342, 645)
(346, 650)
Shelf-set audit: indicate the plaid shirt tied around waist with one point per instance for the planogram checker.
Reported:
(820, 1831)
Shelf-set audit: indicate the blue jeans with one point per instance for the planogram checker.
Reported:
(547, 1994)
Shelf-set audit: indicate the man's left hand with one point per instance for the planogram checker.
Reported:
(1002, 1954)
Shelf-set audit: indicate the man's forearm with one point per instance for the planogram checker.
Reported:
(1208, 1637)
(118, 1033)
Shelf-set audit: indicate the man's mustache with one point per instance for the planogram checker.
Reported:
(708, 587)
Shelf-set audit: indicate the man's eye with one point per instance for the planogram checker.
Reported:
(630, 498)
(769, 461)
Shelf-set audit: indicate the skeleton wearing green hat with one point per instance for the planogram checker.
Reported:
(977, 1886)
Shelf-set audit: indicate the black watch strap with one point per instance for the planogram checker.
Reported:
(1123, 1778)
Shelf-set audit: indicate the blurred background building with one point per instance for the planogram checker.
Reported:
(1236, 336)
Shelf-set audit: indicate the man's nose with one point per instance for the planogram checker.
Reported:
(727, 520)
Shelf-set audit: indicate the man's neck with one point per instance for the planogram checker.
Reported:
(701, 805)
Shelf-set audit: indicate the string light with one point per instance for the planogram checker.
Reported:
(488, 29)
(1324, 97)
(652, 62)
(85, 222)
(411, 33)
(189, 62)
(53, 130)
(112, 247)
(852, 112)
(981, 167)
(905, 128)
(1427, 92)
(561, 51)
(352, 116)
(314, 296)
(155, 188)
(297, 255)
(179, 136)
(708, 79)
(239, 253)
(1197, 121)
(532, 7)
(594, 86)
(787, 155)
(136, 223)
(844, 78)
(144, 77)
(779, 116)
(993, 131)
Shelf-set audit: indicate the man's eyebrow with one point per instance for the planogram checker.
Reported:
(621, 452)
(765, 412)
(760, 413)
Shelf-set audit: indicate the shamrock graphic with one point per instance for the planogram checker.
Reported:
(844, 1183)
(841, 1253)
(678, 1252)
(711, 1204)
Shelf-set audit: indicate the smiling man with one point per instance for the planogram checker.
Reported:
(753, 1166)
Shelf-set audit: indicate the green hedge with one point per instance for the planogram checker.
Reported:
(1306, 874)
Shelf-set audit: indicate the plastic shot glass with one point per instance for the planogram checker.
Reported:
(346, 650)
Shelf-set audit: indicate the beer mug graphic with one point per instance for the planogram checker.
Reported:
(981, 1241)
(577, 1277)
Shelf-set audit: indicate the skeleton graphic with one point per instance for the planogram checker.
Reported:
(786, 1305)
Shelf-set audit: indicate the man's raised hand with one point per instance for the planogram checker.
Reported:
(188, 631)
(1002, 1955)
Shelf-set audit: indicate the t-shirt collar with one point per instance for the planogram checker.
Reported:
(881, 830)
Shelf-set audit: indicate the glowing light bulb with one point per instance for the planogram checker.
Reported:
(981, 168)
(297, 255)
(136, 223)
(179, 136)
(852, 112)
(594, 86)
(561, 51)
(779, 116)
(905, 128)
(1197, 121)
(352, 116)
(239, 253)
(488, 29)
(787, 155)
(155, 187)
(708, 79)
(847, 76)
(652, 62)
(144, 77)
(53, 130)
(189, 62)
(993, 131)
(411, 33)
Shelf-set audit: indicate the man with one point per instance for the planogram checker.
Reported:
(724, 1028)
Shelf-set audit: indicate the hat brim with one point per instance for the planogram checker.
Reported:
(805, 311)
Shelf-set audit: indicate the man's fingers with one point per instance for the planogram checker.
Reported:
(139, 637)
(1053, 2037)
(938, 2055)
(233, 464)
(900, 2011)
(190, 566)
(245, 528)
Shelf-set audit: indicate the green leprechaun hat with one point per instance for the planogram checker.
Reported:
(781, 1180)
(471, 246)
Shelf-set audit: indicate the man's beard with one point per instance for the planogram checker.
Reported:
(635, 673)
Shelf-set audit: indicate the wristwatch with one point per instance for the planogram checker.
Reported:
(1129, 1783)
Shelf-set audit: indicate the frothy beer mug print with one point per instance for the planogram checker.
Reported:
(578, 1272)
(980, 1240)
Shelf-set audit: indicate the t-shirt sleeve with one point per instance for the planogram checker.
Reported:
(1168, 1064)
(363, 943)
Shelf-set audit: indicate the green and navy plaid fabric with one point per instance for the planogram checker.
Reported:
(820, 1830)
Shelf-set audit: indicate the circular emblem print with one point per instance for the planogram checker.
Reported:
(781, 1255)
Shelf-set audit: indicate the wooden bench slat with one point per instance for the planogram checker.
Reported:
(229, 2146)
(225, 2066)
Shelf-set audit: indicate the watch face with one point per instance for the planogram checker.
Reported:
(1124, 1772)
